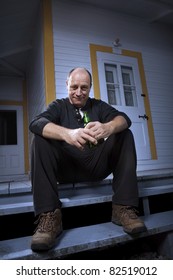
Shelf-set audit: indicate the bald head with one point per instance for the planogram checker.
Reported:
(78, 86)
(81, 69)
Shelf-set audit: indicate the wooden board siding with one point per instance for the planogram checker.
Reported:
(35, 74)
(72, 37)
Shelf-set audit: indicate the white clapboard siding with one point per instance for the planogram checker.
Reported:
(36, 90)
(84, 25)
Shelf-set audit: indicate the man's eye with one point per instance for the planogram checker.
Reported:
(84, 88)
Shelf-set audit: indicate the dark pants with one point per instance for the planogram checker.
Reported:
(55, 161)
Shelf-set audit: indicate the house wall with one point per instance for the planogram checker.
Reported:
(35, 73)
(77, 25)
(35, 76)
(11, 89)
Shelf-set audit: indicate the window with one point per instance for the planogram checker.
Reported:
(120, 85)
(8, 127)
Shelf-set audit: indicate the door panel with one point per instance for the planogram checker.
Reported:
(120, 86)
(11, 140)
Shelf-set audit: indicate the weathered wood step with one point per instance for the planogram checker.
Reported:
(85, 238)
(76, 196)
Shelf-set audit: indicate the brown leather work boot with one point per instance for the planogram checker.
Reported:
(49, 227)
(127, 217)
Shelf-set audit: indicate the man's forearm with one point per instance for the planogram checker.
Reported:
(54, 131)
(118, 124)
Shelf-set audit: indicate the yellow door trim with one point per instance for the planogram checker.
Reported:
(93, 54)
(94, 66)
(49, 70)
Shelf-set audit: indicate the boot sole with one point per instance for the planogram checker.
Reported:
(132, 231)
(41, 247)
(36, 247)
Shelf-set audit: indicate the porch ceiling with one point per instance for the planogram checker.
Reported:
(18, 17)
(150, 10)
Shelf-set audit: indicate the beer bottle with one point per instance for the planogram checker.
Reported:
(86, 120)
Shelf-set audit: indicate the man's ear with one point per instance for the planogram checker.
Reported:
(66, 83)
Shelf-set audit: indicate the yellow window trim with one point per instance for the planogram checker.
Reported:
(49, 71)
(94, 66)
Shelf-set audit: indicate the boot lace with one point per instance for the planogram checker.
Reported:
(45, 222)
(129, 211)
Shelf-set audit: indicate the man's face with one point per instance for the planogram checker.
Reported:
(78, 86)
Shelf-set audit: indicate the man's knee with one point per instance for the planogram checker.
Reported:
(129, 135)
(41, 146)
(39, 141)
(124, 136)
(125, 140)
(35, 139)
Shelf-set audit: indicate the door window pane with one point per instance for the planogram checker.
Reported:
(8, 127)
(129, 86)
(112, 84)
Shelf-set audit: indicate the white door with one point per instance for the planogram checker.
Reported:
(120, 86)
(11, 140)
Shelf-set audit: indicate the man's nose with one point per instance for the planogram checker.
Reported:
(78, 91)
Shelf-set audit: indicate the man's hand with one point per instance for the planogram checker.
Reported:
(79, 137)
(76, 137)
(104, 130)
(99, 130)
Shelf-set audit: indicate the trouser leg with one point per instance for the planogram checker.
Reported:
(48, 166)
(117, 155)
(124, 170)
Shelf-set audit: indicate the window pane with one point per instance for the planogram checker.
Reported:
(111, 94)
(8, 127)
(112, 84)
(109, 77)
(129, 86)
(128, 96)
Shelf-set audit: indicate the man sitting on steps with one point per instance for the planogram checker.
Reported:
(60, 153)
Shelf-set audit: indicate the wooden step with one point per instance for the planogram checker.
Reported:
(85, 238)
(85, 194)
